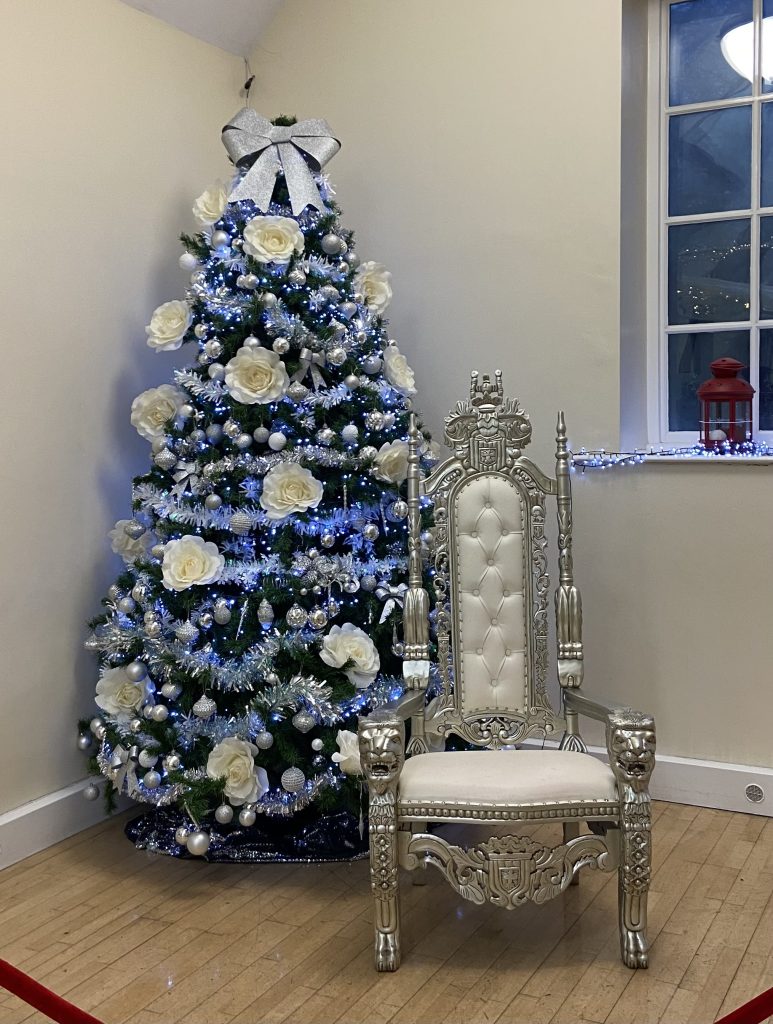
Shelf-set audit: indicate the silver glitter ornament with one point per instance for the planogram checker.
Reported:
(318, 618)
(368, 453)
(165, 459)
(292, 780)
(91, 792)
(297, 391)
(240, 523)
(243, 441)
(214, 433)
(224, 814)
(231, 429)
(159, 712)
(399, 509)
(296, 277)
(216, 371)
(371, 364)
(369, 583)
(247, 817)
(126, 605)
(358, 297)
(331, 244)
(181, 835)
(147, 758)
(261, 434)
(343, 267)
(281, 346)
(186, 633)
(352, 381)
(220, 239)
(277, 441)
(337, 356)
(198, 843)
(157, 551)
(374, 420)
(353, 258)
(350, 433)
(296, 617)
(370, 531)
(303, 721)
(85, 742)
(265, 612)
(151, 780)
(327, 539)
(204, 707)
(171, 762)
(188, 261)
(347, 310)
(222, 612)
(136, 671)
(134, 529)
(93, 643)
(264, 740)
(325, 435)
(213, 502)
(153, 630)
(330, 293)
(197, 436)
(205, 620)
(171, 691)
(317, 744)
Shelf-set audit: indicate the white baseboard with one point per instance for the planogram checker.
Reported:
(687, 780)
(49, 819)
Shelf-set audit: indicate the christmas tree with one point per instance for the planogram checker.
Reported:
(256, 614)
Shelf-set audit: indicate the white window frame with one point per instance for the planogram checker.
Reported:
(658, 330)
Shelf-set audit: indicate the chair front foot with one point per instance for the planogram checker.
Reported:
(634, 948)
(387, 951)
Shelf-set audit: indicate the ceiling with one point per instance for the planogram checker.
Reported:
(233, 25)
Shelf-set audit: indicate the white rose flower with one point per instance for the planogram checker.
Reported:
(131, 549)
(211, 204)
(391, 462)
(119, 696)
(154, 409)
(256, 376)
(348, 644)
(168, 325)
(373, 280)
(349, 757)
(272, 239)
(234, 760)
(289, 488)
(190, 561)
(398, 372)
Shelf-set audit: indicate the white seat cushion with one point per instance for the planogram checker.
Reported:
(505, 778)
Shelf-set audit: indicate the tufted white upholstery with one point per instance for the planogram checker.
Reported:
(506, 778)
(489, 584)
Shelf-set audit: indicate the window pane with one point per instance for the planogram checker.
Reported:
(766, 268)
(766, 157)
(708, 271)
(766, 380)
(709, 161)
(767, 46)
(703, 63)
(689, 356)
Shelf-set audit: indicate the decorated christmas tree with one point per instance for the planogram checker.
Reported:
(256, 615)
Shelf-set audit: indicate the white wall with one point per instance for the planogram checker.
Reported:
(481, 162)
(111, 125)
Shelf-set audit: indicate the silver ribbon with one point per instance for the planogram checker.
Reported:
(124, 769)
(249, 137)
(310, 362)
(186, 476)
(393, 595)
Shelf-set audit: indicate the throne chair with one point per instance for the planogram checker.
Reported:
(491, 589)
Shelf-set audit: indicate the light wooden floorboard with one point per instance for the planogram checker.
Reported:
(138, 939)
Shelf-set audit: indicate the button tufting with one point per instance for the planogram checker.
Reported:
(491, 561)
(479, 650)
(474, 533)
(508, 652)
(495, 622)
(475, 593)
(505, 593)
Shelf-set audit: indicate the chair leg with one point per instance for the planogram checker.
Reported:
(634, 880)
(384, 880)
(572, 831)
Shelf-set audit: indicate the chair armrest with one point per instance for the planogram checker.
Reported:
(630, 736)
(381, 738)
(410, 703)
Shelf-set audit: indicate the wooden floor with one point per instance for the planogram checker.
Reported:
(144, 939)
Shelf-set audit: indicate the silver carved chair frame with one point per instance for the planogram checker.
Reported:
(491, 591)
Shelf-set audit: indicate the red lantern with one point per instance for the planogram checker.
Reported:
(726, 405)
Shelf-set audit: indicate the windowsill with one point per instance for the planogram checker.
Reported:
(608, 460)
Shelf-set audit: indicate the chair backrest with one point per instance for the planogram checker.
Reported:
(491, 578)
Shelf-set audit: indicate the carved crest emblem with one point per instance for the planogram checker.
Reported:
(489, 431)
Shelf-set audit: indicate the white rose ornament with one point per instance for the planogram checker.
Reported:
(256, 376)
(168, 325)
(155, 409)
(348, 645)
(234, 760)
(119, 696)
(391, 462)
(272, 239)
(374, 282)
(289, 488)
(347, 757)
(190, 561)
(211, 204)
(398, 372)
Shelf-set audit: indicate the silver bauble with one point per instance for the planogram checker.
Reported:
(277, 441)
(338, 329)
(265, 612)
(147, 711)
(200, 330)
(153, 630)
(224, 814)
(213, 502)
(165, 459)
(186, 633)
(261, 434)
(231, 429)
(331, 244)
(250, 281)
(272, 679)
(135, 725)
(213, 347)
(220, 239)
(126, 605)
(251, 341)
(370, 531)
(181, 835)
(350, 433)
(186, 411)
(296, 617)
(85, 741)
(268, 299)
(96, 723)
(330, 293)
(198, 843)
(399, 509)
(351, 585)
(369, 583)
(426, 537)
(205, 620)
(171, 762)
(371, 364)
(204, 707)
(243, 442)
(325, 435)
(374, 420)
(157, 551)
(222, 613)
(303, 721)
(292, 780)
(134, 529)
(353, 258)
(136, 671)
(368, 452)
(171, 691)
(214, 433)
(347, 310)
(337, 356)
(297, 391)
(333, 608)
(343, 267)
(318, 618)
(240, 523)
(216, 371)
(296, 277)
(147, 758)
(197, 436)
(264, 740)
(327, 539)
(139, 592)
(281, 346)
(317, 744)
(160, 713)
(352, 381)
(91, 792)
(188, 262)
(151, 780)
(247, 817)
(358, 297)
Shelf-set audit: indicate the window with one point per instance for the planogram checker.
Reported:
(714, 175)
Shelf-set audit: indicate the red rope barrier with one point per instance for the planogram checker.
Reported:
(43, 999)
(756, 1010)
